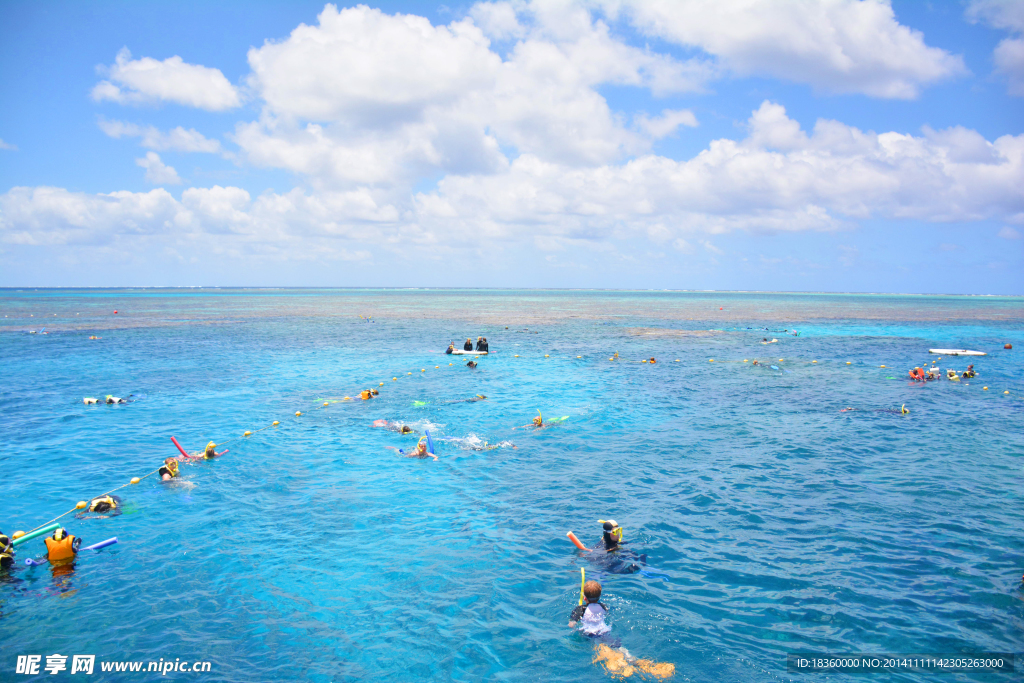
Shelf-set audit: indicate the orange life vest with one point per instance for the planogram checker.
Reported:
(63, 548)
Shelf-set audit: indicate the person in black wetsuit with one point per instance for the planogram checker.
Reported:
(6, 551)
(451, 347)
(616, 559)
(468, 346)
(481, 344)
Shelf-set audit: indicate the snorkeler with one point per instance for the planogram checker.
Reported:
(169, 470)
(394, 426)
(420, 451)
(451, 347)
(969, 372)
(616, 559)
(471, 364)
(590, 615)
(6, 551)
(111, 505)
(62, 545)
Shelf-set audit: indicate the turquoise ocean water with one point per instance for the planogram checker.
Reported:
(771, 521)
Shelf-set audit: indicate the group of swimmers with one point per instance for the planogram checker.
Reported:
(481, 345)
(930, 374)
(169, 470)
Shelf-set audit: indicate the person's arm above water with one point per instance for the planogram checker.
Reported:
(576, 615)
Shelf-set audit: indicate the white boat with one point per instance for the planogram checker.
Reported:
(956, 352)
(459, 352)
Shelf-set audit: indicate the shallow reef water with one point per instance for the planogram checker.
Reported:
(772, 520)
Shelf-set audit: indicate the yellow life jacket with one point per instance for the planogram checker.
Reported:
(95, 502)
(364, 394)
(61, 548)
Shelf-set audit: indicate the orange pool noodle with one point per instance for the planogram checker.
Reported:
(575, 541)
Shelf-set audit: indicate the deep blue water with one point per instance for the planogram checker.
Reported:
(772, 522)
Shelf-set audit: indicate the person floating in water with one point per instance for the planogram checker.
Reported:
(451, 347)
(6, 551)
(104, 506)
(616, 559)
(471, 364)
(62, 546)
(468, 346)
(588, 617)
(481, 344)
(420, 451)
(969, 372)
(394, 426)
(169, 470)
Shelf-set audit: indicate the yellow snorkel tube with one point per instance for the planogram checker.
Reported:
(583, 577)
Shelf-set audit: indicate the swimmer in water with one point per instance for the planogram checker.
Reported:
(538, 422)
(590, 615)
(451, 347)
(394, 426)
(616, 559)
(6, 551)
(420, 451)
(103, 507)
(471, 364)
(169, 470)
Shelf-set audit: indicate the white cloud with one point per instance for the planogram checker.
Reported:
(1008, 233)
(778, 179)
(1009, 59)
(157, 172)
(177, 139)
(841, 46)
(147, 80)
(1009, 54)
(365, 96)
(7, 145)
(662, 126)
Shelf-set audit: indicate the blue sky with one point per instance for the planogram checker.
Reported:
(728, 144)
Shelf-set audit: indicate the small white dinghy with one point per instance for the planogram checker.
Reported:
(956, 352)
(459, 352)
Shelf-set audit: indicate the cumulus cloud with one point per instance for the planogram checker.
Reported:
(662, 126)
(779, 178)
(146, 80)
(177, 139)
(840, 46)
(1009, 54)
(419, 99)
(157, 172)
(7, 145)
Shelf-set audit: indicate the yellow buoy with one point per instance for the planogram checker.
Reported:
(135, 480)
(547, 356)
(1006, 392)
(984, 388)
(17, 534)
(423, 369)
(436, 367)
(848, 362)
(517, 355)
(326, 403)
(881, 366)
(408, 373)
(677, 360)
(394, 379)
(275, 423)
(450, 364)
(611, 359)
(711, 360)
(250, 433)
(80, 504)
(298, 413)
(745, 360)
(814, 361)
(781, 359)
(381, 384)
